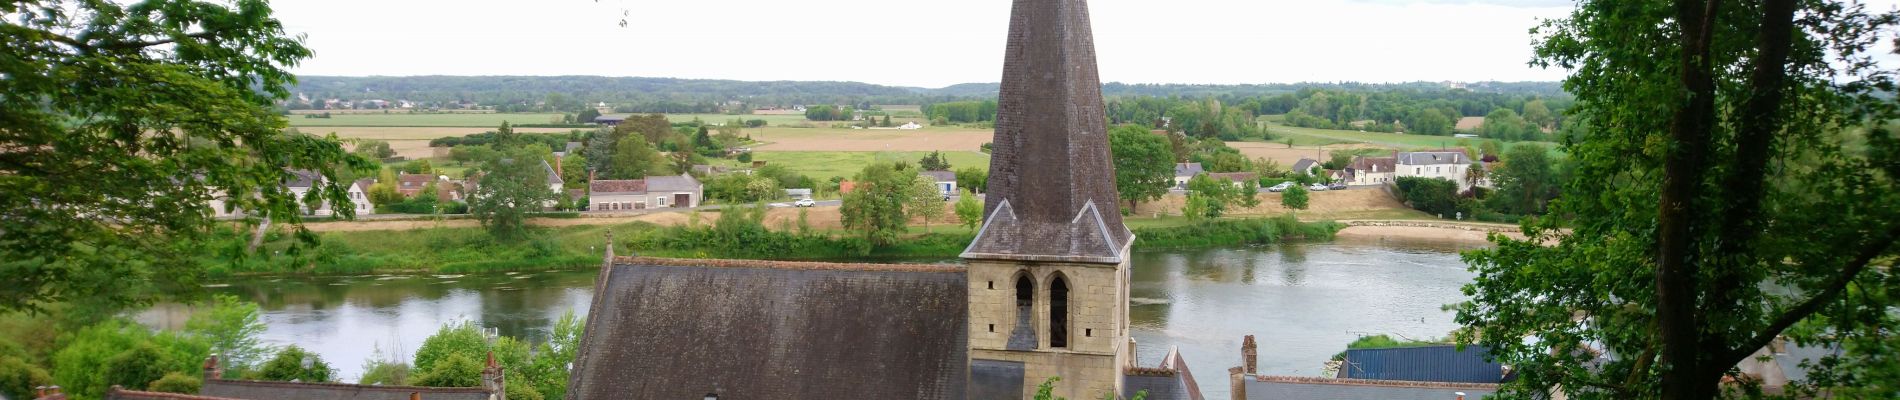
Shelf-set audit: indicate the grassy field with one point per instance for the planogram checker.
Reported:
(1310, 136)
(831, 139)
(827, 164)
(395, 119)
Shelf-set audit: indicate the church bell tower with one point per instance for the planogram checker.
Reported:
(1048, 271)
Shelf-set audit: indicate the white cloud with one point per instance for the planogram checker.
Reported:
(928, 44)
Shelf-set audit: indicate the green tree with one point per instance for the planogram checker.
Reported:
(633, 158)
(510, 189)
(186, 117)
(1538, 115)
(1214, 194)
(574, 171)
(1144, 164)
(463, 339)
(1294, 198)
(375, 149)
(1525, 181)
(455, 370)
(926, 201)
(587, 116)
(934, 162)
(1434, 196)
(969, 210)
(552, 362)
(1248, 195)
(1729, 196)
(380, 370)
(1425, 121)
(1503, 124)
(875, 208)
(973, 179)
(176, 382)
(296, 364)
(234, 330)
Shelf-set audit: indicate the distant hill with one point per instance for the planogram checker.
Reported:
(685, 95)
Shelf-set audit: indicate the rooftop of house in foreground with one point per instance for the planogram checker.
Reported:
(673, 328)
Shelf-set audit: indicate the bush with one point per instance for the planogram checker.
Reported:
(1239, 232)
(455, 370)
(18, 378)
(175, 382)
(290, 365)
(1431, 195)
(136, 368)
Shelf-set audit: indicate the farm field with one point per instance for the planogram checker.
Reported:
(411, 142)
(898, 117)
(486, 120)
(833, 139)
(826, 164)
(1390, 140)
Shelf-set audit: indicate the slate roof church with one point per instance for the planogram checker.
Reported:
(1044, 291)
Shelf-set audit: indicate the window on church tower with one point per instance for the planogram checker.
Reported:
(1059, 313)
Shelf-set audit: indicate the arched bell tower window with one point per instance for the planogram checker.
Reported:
(1023, 336)
(1059, 312)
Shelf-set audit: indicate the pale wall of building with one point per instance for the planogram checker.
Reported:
(1098, 330)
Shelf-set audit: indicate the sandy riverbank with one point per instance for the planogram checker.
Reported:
(1451, 233)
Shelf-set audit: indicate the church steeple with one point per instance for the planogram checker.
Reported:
(1051, 194)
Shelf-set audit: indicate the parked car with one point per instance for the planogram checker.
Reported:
(1337, 186)
(1317, 187)
(1283, 186)
(804, 203)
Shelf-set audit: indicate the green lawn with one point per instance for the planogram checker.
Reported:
(423, 120)
(826, 164)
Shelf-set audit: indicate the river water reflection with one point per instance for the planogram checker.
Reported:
(1303, 302)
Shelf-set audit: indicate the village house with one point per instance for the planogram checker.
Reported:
(1184, 172)
(910, 126)
(554, 182)
(1237, 179)
(946, 181)
(410, 185)
(1307, 166)
(680, 191)
(1447, 165)
(1372, 170)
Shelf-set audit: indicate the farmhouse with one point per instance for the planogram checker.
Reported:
(638, 194)
(910, 126)
(1184, 172)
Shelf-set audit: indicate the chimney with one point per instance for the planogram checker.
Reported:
(557, 166)
(1249, 355)
(211, 368)
(492, 379)
(415, 395)
(1237, 383)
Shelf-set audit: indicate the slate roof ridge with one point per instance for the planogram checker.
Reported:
(293, 385)
(117, 392)
(1374, 382)
(785, 265)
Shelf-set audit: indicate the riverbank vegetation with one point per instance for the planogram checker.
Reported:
(86, 352)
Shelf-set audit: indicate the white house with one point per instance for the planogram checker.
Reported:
(554, 184)
(638, 194)
(1307, 166)
(910, 126)
(300, 184)
(1372, 170)
(946, 181)
(1185, 171)
(359, 197)
(1448, 165)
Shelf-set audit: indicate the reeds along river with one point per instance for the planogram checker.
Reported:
(1302, 301)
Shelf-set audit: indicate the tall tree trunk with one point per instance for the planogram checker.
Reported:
(1754, 137)
(1676, 263)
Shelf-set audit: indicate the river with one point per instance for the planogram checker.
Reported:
(1303, 302)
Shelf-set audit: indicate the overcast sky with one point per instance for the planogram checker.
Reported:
(921, 43)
